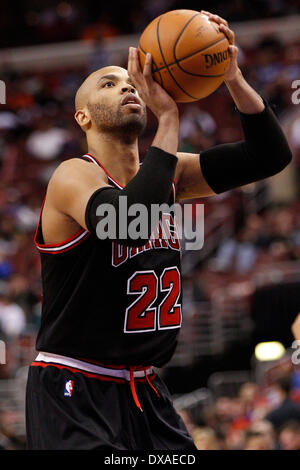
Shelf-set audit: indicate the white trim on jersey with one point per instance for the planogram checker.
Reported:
(87, 367)
(64, 246)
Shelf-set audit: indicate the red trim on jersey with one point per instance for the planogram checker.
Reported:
(68, 248)
(100, 164)
(46, 247)
(56, 245)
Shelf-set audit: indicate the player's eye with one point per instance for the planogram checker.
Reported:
(108, 84)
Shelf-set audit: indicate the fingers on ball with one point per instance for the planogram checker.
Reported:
(218, 19)
(148, 65)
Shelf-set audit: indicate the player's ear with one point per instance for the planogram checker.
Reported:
(83, 118)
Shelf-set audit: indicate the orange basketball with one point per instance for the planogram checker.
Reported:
(190, 55)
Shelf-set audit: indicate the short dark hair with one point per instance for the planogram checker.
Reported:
(250, 433)
(292, 425)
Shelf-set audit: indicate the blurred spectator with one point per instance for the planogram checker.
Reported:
(256, 441)
(286, 408)
(12, 316)
(248, 395)
(239, 424)
(8, 120)
(188, 421)
(237, 254)
(289, 436)
(6, 268)
(265, 429)
(205, 439)
(27, 215)
(194, 119)
(197, 129)
(103, 28)
(8, 244)
(100, 56)
(292, 63)
(267, 61)
(9, 436)
(46, 141)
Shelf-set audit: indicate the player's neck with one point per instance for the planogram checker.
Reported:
(120, 159)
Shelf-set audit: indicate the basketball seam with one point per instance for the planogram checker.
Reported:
(177, 61)
(163, 58)
(181, 33)
(191, 55)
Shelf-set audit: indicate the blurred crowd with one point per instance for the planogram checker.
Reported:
(65, 20)
(257, 417)
(262, 243)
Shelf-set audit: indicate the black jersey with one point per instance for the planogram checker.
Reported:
(109, 302)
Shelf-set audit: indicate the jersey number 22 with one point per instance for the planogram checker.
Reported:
(142, 316)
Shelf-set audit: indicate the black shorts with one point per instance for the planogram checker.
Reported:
(73, 404)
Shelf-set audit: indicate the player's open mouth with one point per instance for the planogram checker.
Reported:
(131, 101)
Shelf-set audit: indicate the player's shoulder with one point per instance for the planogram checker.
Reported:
(73, 165)
(72, 175)
(73, 168)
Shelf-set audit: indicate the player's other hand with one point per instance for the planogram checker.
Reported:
(233, 70)
(153, 95)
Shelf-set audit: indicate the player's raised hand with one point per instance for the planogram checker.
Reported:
(233, 69)
(153, 95)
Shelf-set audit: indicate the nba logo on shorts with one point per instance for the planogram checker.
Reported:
(69, 388)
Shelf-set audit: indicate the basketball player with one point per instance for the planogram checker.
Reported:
(112, 308)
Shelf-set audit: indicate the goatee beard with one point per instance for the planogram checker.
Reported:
(124, 127)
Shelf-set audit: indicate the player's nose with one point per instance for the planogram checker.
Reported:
(128, 89)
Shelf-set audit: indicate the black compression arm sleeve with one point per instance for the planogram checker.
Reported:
(263, 153)
(151, 185)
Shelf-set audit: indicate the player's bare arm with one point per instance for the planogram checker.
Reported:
(69, 190)
(265, 143)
